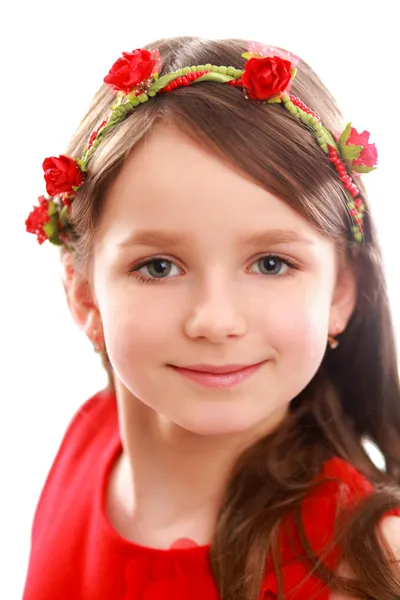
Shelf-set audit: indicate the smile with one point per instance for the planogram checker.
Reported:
(219, 377)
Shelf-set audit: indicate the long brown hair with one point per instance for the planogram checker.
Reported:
(355, 395)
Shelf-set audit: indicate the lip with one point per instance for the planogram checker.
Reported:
(222, 370)
(213, 376)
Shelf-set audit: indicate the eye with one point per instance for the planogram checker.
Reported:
(273, 265)
(157, 268)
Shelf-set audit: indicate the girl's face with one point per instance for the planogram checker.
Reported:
(196, 265)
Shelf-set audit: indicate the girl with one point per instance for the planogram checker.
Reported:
(219, 253)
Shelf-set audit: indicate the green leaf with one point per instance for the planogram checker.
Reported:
(351, 152)
(213, 76)
(246, 55)
(118, 102)
(52, 208)
(75, 188)
(56, 241)
(49, 229)
(64, 215)
(328, 138)
(294, 71)
(160, 83)
(362, 168)
(274, 99)
(345, 135)
(82, 165)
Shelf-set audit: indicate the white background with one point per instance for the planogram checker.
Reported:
(54, 55)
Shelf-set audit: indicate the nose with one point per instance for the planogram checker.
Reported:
(216, 315)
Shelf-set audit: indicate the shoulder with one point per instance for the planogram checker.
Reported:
(390, 531)
(92, 419)
(339, 484)
(97, 413)
(356, 487)
(86, 435)
(341, 471)
(91, 427)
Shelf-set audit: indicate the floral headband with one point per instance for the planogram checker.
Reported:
(266, 77)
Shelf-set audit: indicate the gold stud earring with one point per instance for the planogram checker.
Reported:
(333, 342)
(94, 341)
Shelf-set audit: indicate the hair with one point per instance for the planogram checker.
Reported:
(355, 394)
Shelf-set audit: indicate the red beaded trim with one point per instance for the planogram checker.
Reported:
(342, 172)
(297, 102)
(235, 82)
(349, 185)
(95, 132)
(184, 80)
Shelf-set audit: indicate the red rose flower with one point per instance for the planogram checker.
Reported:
(38, 217)
(368, 156)
(61, 174)
(132, 70)
(266, 77)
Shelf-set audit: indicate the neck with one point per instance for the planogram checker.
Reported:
(169, 482)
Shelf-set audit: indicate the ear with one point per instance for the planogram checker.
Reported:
(344, 299)
(81, 301)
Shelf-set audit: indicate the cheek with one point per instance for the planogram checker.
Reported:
(300, 331)
(135, 328)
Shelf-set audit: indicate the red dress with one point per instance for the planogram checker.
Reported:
(76, 554)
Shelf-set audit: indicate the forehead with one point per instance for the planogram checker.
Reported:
(170, 182)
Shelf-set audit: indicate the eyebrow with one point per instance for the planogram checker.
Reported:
(174, 238)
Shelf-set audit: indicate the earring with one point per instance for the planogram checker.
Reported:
(333, 342)
(94, 341)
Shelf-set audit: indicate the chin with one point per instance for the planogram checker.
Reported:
(217, 421)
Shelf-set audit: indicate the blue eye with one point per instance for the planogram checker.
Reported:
(158, 267)
(273, 265)
(157, 270)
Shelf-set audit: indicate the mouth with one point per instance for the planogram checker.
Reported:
(214, 376)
